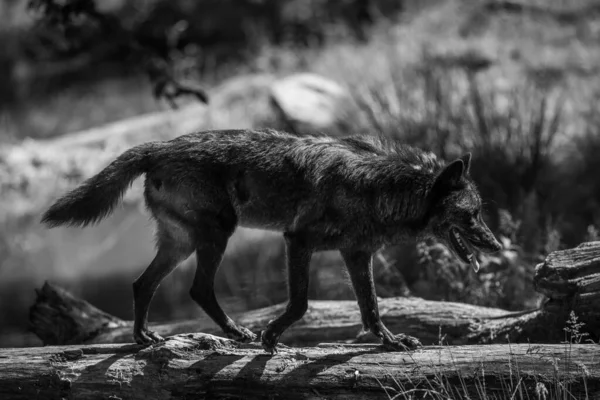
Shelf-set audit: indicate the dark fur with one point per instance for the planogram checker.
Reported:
(354, 194)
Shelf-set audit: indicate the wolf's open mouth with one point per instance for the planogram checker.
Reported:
(462, 249)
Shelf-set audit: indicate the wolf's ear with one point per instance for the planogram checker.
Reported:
(466, 158)
(449, 177)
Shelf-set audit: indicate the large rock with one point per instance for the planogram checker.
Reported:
(308, 102)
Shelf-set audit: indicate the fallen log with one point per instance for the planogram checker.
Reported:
(59, 318)
(34, 172)
(570, 279)
(205, 366)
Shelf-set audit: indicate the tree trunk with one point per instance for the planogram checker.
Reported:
(205, 366)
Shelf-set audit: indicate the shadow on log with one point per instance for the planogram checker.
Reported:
(570, 279)
(206, 366)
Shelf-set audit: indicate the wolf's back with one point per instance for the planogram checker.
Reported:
(95, 198)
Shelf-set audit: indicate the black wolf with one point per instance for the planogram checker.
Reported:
(354, 194)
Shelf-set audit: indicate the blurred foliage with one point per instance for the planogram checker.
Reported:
(95, 52)
(76, 37)
(74, 20)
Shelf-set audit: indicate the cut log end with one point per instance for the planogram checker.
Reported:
(570, 273)
(571, 281)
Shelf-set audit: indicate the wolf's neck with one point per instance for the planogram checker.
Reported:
(401, 192)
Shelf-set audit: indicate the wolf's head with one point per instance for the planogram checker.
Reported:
(455, 214)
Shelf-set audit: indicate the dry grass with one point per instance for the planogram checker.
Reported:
(522, 383)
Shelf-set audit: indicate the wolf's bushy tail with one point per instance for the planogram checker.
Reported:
(95, 198)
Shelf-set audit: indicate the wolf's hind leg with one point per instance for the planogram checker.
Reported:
(360, 269)
(209, 251)
(174, 246)
(298, 260)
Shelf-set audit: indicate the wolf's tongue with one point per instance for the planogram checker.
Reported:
(474, 263)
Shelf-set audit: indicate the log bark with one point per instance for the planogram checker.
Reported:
(569, 278)
(205, 366)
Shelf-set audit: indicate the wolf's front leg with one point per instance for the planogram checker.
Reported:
(360, 269)
(298, 261)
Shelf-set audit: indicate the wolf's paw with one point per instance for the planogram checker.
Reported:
(146, 337)
(269, 340)
(402, 342)
(241, 334)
